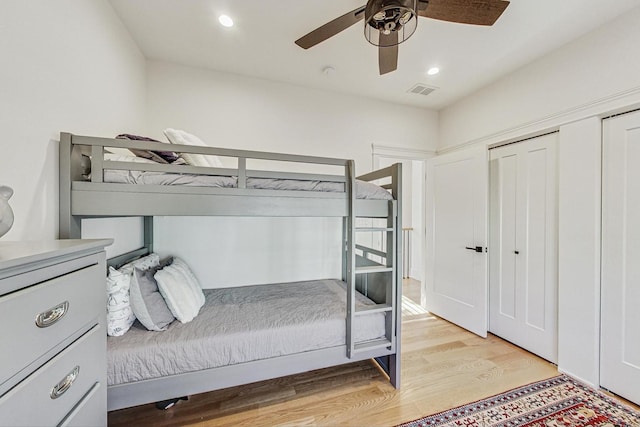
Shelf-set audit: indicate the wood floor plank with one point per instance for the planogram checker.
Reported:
(443, 367)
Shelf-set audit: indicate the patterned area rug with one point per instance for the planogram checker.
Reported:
(556, 402)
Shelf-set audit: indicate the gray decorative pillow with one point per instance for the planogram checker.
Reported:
(156, 156)
(146, 301)
(147, 154)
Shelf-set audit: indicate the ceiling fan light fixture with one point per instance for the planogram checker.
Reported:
(406, 17)
(382, 17)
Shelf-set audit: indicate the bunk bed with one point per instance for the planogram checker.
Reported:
(369, 292)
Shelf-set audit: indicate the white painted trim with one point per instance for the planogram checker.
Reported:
(578, 378)
(602, 107)
(401, 152)
(410, 154)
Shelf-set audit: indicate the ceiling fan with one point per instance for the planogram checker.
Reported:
(390, 22)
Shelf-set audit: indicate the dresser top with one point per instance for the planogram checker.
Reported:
(13, 254)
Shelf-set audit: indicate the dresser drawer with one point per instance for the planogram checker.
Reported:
(51, 392)
(91, 411)
(41, 317)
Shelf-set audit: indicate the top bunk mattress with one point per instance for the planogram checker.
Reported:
(364, 190)
(239, 325)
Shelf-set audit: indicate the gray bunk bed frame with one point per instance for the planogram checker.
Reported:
(377, 271)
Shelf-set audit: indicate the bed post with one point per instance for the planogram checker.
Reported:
(348, 172)
(396, 192)
(148, 233)
(344, 248)
(68, 225)
(351, 257)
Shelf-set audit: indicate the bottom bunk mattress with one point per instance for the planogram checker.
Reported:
(242, 324)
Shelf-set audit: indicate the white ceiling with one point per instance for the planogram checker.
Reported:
(261, 44)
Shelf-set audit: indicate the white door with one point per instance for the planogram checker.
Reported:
(523, 273)
(456, 224)
(620, 315)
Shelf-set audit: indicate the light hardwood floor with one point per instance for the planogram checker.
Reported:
(443, 366)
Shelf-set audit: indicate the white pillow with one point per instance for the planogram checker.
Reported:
(124, 152)
(120, 316)
(181, 290)
(181, 137)
(144, 263)
(124, 158)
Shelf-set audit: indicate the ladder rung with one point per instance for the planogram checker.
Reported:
(364, 229)
(372, 345)
(373, 269)
(371, 251)
(370, 309)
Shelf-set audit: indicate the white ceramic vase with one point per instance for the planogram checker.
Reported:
(6, 214)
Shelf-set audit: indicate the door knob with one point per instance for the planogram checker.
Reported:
(516, 252)
(476, 249)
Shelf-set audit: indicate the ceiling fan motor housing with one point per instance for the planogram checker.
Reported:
(383, 17)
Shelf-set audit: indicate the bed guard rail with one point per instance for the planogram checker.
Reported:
(85, 150)
(392, 173)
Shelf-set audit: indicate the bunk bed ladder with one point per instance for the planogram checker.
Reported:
(383, 275)
(357, 275)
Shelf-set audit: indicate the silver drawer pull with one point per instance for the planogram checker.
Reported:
(51, 316)
(64, 385)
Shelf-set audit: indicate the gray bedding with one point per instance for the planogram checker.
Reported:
(364, 190)
(242, 324)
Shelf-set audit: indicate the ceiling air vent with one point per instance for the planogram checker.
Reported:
(421, 89)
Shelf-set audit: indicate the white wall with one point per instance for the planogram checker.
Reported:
(239, 112)
(232, 111)
(67, 65)
(567, 84)
(569, 90)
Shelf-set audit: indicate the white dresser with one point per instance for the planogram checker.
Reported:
(52, 338)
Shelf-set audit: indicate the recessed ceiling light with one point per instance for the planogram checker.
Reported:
(433, 71)
(225, 20)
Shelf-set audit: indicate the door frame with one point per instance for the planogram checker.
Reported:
(379, 152)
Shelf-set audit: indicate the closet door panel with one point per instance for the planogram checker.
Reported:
(631, 285)
(620, 317)
(503, 201)
(534, 254)
(523, 250)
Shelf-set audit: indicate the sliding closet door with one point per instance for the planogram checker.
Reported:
(456, 224)
(523, 289)
(620, 332)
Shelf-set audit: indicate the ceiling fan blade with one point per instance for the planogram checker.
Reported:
(331, 28)
(388, 56)
(477, 12)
